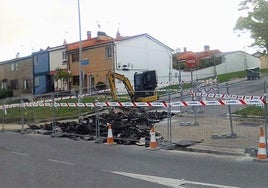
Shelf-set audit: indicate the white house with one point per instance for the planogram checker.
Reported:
(57, 59)
(237, 61)
(142, 52)
(230, 62)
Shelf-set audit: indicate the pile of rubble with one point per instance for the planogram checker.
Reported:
(128, 128)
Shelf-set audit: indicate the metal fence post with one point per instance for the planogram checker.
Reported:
(3, 118)
(265, 113)
(53, 112)
(22, 113)
(230, 113)
(169, 118)
(97, 120)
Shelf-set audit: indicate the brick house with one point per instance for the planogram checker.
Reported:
(16, 74)
(97, 60)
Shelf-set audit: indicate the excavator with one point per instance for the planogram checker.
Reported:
(145, 84)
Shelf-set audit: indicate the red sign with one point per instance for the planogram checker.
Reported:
(191, 61)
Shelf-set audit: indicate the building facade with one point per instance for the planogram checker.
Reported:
(16, 74)
(58, 63)
(141, 53)
(41, 73)
(96, 61)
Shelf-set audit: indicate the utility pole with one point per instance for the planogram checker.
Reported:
(80, 51)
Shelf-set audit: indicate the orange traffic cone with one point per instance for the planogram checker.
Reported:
(153, 143)
(110, 138)
(262, 154)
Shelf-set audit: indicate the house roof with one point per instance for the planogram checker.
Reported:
(185, 55)
(198, 55)
(144, 35)
(90, 42)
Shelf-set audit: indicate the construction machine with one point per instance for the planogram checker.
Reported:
(145, 84)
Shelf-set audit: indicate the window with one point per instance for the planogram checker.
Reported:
(36, 60)
(75, 57)
(4, 84)
(14, 84)
(108, 52)
(36, 81)
(64, 55)
(75, 80)
(26, 84)
(14, 66)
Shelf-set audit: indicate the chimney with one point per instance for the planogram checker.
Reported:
(101, 33)
(184, 49)
(206, 48)
(88, 34)
(118, 35)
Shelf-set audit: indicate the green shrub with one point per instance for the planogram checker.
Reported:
(100, 86)
(4, 93)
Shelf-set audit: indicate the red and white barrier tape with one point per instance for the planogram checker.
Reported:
(141, 104)
(226, 96)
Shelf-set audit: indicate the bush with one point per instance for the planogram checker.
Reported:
(100, 86)
(4, 93)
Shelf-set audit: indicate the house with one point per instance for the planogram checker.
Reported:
(41, 77)
(96, 61)
(16, 74)
(236, 61)
(58, 62)
(139, 53)
(123, 55)
(215, 63)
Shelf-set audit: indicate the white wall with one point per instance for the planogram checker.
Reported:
(235, 61)
(55, 59)
(143, 53)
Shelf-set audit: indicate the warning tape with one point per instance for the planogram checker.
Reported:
(141, 104)
(226, 96)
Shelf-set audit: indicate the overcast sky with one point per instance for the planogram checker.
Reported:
(28, 25)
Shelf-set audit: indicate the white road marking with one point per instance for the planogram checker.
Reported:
(62, 162)
(168, 181)
(21, 154)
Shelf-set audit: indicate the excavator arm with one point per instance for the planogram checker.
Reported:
(145, 81)
(111, 78)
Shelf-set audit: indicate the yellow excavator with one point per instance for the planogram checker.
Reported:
(145, 84)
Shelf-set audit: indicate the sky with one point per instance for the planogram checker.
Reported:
(29, 25)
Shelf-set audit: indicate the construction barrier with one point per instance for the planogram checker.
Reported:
(141, 104)
(225, 96)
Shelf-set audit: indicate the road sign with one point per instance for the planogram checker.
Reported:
(85, 62)
(191, 61)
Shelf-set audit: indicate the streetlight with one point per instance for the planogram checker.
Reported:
(80, 52)
(80, 60)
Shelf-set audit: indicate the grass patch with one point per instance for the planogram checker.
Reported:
(230, 76)
(250, 111)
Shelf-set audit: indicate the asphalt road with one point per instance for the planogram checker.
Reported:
(41, 161)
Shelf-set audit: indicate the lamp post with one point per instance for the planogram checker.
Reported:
(80, 60)
(80, 51)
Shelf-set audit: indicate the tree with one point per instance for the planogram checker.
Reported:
(62, 75)
(256, 21)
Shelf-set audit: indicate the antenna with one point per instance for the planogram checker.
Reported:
(98, 25)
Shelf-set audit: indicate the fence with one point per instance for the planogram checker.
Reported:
(200, 114)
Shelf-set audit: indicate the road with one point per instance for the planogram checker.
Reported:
(31, 161)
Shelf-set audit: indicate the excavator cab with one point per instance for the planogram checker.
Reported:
(145, 83)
